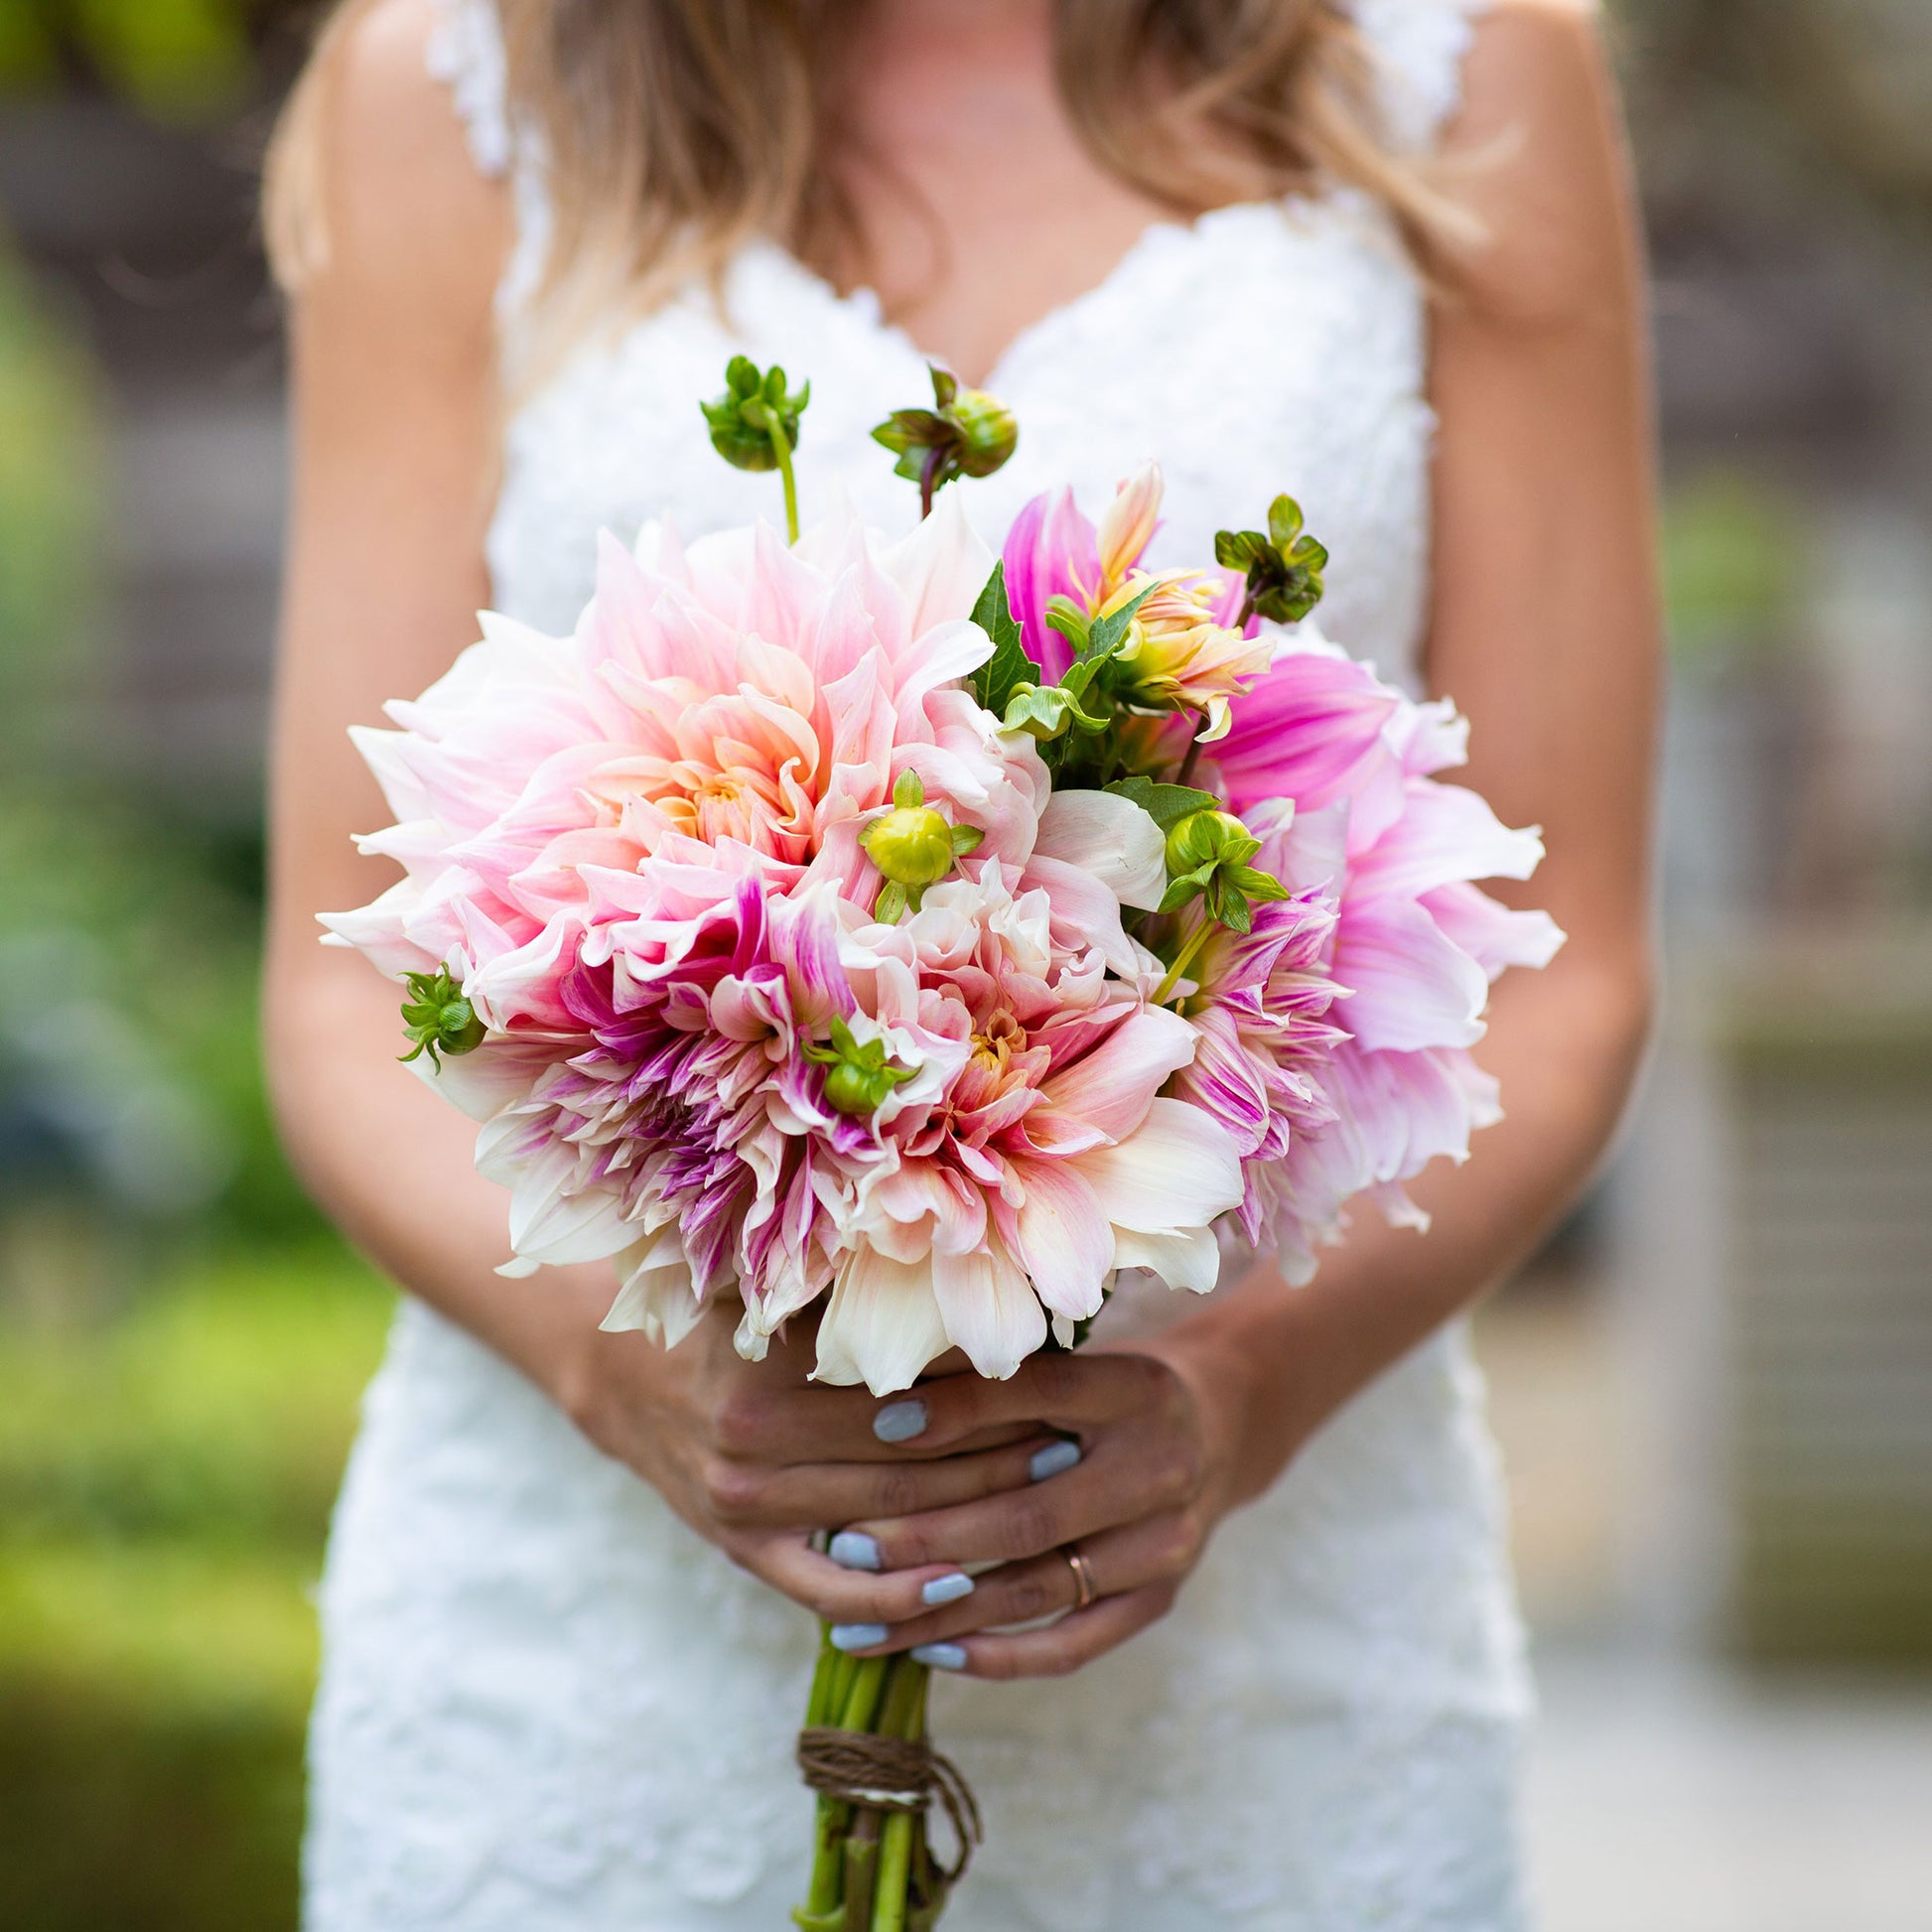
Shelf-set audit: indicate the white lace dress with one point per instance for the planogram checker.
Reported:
(546, 1705)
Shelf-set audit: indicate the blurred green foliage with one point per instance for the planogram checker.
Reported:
(174, 59)
(165, 1483)
(129, 1068)
(52, 464)
(1737, 553)
(182, 1343)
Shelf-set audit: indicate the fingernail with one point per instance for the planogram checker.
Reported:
(946, 1590)
(855, 1550)
(1054, 1459)
(941, 1656)
(899, 1421)
(856, 1636)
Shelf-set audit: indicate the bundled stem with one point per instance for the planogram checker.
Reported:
(873, 1869)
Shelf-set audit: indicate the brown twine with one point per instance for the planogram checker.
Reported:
(892, 1774)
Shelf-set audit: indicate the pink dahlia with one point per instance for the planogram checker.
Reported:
(735, 702)
(1050, 1159)
(1415, 944)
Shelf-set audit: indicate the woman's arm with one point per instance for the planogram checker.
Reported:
(1546, 632)
(395, 419)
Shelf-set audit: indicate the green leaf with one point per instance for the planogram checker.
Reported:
(1165, 804)
(1256, 884)
(1239, 549)
(889, 906)
(1046, 711)
(1178, 894)
(1106, 635)
(995, 682)
(965, 839)
(1064, 616)
(1285, 521)
(1233, 912)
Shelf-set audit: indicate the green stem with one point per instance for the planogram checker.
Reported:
(781, 449)
(862, 1700)
(1184, 959)
(818, 1707)
(823, 1910)
(904, 1717)
(861, 1868)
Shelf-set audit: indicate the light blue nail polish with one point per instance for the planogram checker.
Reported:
(941, 1656)
(856, 1636)
(1054, 1459)
(855, 1550)
(946, 1590)
(899, 1421)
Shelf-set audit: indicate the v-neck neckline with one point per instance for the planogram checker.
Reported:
(864, 304)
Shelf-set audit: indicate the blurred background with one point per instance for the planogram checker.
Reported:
(1715, 1389)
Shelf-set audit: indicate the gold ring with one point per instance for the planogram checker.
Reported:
(1083, 1575)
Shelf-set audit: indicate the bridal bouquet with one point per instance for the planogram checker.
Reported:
(922, 938)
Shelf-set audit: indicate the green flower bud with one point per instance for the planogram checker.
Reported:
(1208, 838)
(861, 1077)
(438, 1019)
(754, 411)
(967, 432)
(1283, 566)
(913, 845)
(988, 432)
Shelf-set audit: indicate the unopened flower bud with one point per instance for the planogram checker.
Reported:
(966, 433)
(860, 1077)
(988, 432)
(1208, 838)
(438, 1018)
(754, 411)
(913, 845)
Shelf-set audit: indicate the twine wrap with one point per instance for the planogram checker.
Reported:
(889, 1774)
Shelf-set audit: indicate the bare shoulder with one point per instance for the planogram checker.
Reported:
(1539, 157)
(401, 194)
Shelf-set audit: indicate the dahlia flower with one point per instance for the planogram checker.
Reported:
(737, 704)
(1415, 944)
(1178, 656)
(1050, 1161)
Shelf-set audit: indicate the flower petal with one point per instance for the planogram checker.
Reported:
(1192, 1260)
(656, 1294)
(881, 1326)
(1062, 1238)
(988, 1307)
(1179, 1172)
(1111, 839)
(1113, 1086)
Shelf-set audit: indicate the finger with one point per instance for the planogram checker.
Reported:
(756, 1421)
(1073, 1641)
(853, 1602)
(1154, 1550)
(1123, 1476)
(818, 1495)
(1070, 1393)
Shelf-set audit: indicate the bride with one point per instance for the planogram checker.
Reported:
(1378, 255)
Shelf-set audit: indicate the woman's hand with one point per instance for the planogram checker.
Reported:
(1150, 1452)
(756, 1460)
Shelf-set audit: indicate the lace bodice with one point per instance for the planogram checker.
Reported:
(546, 1703)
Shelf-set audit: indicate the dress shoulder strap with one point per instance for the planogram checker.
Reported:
(1419, 47)
(466, 52)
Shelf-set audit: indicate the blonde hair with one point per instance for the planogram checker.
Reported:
(675, 131)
